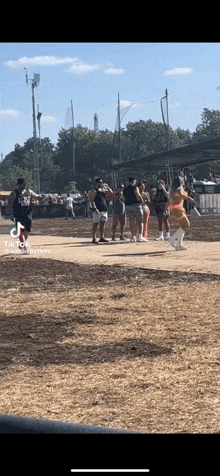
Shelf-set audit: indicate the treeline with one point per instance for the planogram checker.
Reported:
(97, 152)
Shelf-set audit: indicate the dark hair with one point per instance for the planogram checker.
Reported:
(21, 180)
(131, 179)
(97, 180)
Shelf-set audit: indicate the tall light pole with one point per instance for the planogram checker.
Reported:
(34, 84)
(119, 130)
(39, 114)
(96, 123)
(169, 168)
(74, 144)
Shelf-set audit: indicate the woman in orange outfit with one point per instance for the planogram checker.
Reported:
(176, 198)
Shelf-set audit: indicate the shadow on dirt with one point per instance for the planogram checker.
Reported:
(146, 253)
(35, 341)
(42, 275)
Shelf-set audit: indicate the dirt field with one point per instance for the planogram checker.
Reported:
(115, 334)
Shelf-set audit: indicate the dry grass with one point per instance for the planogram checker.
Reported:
(117, 347)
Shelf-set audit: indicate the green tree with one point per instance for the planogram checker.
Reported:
(184, 136)
(93, 156)
(20, 162)
(209, 126)
(10, 178)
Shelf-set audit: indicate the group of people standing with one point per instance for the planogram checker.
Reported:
(136, 203)
(132, 201)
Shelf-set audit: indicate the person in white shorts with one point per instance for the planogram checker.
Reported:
(97, 198)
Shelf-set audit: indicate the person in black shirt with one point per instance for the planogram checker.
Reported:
(133, 208)
(20, 201)
(99, 207)
(161, 210)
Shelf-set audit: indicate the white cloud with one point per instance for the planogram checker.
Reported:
(9, 112)
(114, 71)
(48, 119)
(178, 71)
(80, 67)
(38, 61)
(77, 66)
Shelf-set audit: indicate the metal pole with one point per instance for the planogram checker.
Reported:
(74, 145)
(168, 136)
(119, 126)
(39, 114)
(34, 117)
(170, 173)
(36, 161)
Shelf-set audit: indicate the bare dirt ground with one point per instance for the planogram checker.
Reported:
(121, 335)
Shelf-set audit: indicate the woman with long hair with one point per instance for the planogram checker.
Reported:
(176, 198)
(145, 207)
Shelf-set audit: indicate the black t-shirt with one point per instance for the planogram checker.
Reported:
(160, 196)
(129, 194)
(21, 205)
(100, 201)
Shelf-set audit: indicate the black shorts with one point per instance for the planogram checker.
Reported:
(160, 210)
(25, 220)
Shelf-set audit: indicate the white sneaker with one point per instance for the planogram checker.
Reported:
(167, 237)
(134, 239)
(160, 238)
(180, 245)
(140, 238)
(174, 239)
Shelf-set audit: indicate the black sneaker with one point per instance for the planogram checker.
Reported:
(103, 240)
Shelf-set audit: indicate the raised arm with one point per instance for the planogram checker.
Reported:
(34, 195)
(138, 195)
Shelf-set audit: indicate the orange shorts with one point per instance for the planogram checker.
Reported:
(177, 215)
(177, 207)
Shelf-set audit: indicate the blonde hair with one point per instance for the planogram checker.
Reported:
(176, 183)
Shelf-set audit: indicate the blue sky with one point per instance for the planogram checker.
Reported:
(92, 75)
